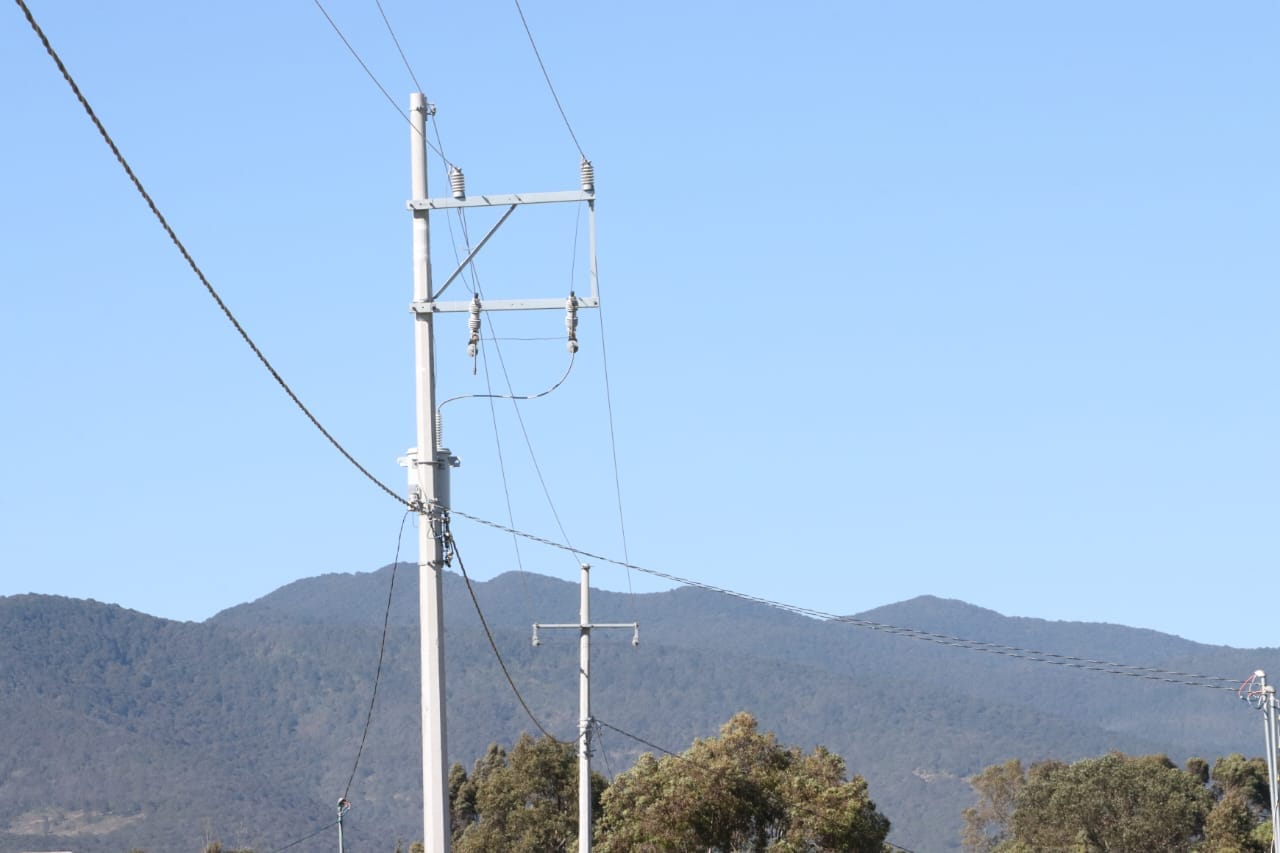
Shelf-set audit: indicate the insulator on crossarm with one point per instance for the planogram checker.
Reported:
(457, 183)
(588, 173)
(571, 321)
(473, 324)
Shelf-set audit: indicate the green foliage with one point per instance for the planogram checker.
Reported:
(525, 802)
(1118, 802)
(986, 824)
(1235, 774)
(740, 791)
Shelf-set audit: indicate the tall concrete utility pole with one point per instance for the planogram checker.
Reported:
(429, 467)
(428, 462)
(584, 628)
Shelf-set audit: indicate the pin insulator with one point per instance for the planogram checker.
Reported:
(457, 183)
(588, 174)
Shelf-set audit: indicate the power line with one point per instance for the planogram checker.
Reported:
(1109, 667)
(356, 55)
(351, 49)
(306, 837)
(182, 249)
(382, 650)
(452, 543)
(414, 77)
(547, 77)
(613, 441)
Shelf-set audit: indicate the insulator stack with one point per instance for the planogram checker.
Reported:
(571, 321)
(473, 324)
(588, 174)
(457, 183)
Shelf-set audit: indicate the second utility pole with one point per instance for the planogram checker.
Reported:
(584, 627)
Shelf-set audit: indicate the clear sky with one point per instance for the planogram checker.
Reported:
(972, 300)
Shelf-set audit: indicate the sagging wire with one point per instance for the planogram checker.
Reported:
(191, 262)
(452, 549)
(1034, 655)
(291, 844)
(382, 650)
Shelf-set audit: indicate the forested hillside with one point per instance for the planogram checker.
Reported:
(128, 731)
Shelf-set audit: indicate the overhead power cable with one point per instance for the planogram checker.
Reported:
(383, 89)
(182, 249)
(1150, 673)
(382, 651)
(356, 55)
(546, 76)
(1039, 656)
(484, 623)
(295, 843)
(391, 31)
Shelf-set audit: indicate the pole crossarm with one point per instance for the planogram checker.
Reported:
(426, 307)
(421, 209)
(420, 205)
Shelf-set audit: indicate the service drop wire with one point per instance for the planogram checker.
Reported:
(452, 545)
(382, 651)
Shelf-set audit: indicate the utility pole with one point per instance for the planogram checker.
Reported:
(428, 462)
(429, 467)
(1263, 697)
(584, 628)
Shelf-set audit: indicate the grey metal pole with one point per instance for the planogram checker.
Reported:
(343, 807)
(583, 628)
(1273, 756)
(584, 715)
(429, 473)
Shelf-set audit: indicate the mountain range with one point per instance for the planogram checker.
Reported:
(130, 732)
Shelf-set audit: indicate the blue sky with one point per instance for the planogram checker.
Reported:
(972, 300)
